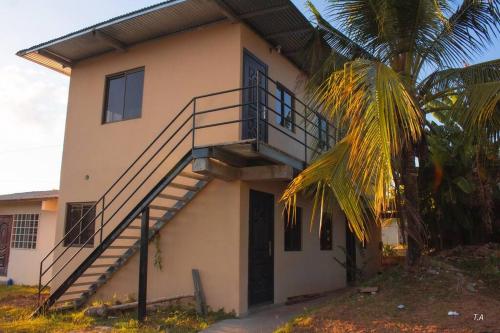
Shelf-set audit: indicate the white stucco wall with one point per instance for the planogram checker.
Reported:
(390, 232)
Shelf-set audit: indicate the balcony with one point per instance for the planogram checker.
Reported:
(224, 127)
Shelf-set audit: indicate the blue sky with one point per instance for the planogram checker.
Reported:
(33, 99)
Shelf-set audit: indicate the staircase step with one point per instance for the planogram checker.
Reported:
(118, 247)
(193, 175)
(173, 209)
(62, 301)
(100, 265)
(92, 274)
(171, 197)
(129, 237)
(184, 187)
(109, 257)
(81, 284)
(75, 292)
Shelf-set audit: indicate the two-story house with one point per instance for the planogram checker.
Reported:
(185, 122)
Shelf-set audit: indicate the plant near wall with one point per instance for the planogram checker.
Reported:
(158, 260)
(394, 63)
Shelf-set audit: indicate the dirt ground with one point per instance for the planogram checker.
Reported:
(462, 281)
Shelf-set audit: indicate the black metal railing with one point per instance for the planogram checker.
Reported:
(179, 136)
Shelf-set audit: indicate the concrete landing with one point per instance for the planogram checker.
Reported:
(264, 320)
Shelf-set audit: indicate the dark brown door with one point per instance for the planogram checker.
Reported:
(252, 65)
(5, 228)
(261, 249)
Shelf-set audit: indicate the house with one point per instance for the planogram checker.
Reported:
(185, 123)
(391, 233)
(27, 234)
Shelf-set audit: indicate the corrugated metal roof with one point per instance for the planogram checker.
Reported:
(278, 21)
(34, 195)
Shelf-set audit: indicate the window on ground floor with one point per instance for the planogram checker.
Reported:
(80, 224)
(326, 233)
(293, 230)
(24, 231)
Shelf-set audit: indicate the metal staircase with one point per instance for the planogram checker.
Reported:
(127, 243)
(158, 184)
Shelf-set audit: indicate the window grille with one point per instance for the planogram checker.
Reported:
(24, 231)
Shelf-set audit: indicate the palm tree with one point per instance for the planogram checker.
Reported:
(394, 62)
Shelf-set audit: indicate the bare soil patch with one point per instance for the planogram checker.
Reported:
(455, 281)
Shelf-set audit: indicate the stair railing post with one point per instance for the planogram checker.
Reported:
(102, 220)
(194, 121)
(40, 285)
(257, 102)
(305, 135)
(143, 266)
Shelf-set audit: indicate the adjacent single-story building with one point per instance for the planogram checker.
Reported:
(27, 234)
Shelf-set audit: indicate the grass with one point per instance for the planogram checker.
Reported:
(18, 302)
(427, 295)
(16, 291)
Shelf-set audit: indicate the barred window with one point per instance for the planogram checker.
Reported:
(80, 224)
(293, 230)
(24, 231)
(326, 234)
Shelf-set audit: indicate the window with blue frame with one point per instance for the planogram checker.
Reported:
(284, 108)
(323, 141)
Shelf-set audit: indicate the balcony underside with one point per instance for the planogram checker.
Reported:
(245, 160)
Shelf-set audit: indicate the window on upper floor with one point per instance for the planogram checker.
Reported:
(80, 224)
(293, 230)
(24, 231)
(123, 96)
(323, 141)
(285, 107)
(326, 233)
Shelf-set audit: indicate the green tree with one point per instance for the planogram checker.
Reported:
(458, 185)
(394, 62)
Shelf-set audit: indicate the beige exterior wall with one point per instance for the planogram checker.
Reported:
(211, 234)
(286, 73)
(24, 263)
(369, 257)
(295, 273)
(204, 235)
(177, 68)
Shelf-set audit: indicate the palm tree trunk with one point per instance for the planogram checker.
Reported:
(410, 210)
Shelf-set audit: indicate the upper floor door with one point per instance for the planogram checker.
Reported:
(251, 66)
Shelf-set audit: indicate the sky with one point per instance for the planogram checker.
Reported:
(33, 99)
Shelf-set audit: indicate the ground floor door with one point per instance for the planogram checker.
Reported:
(350, 253)
(261, 249)
(5, 229)
(252, 65)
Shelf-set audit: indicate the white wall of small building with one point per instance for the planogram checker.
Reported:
(390, 232)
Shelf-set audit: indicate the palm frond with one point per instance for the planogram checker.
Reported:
(381, 117)
(337, 41)
(470, 94)
(463, 34)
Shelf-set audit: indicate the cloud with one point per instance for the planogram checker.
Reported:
(33, 109)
